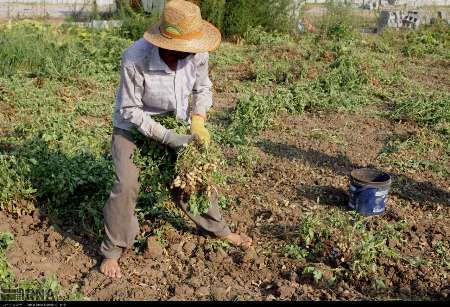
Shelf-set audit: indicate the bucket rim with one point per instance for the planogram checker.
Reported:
(357, 176)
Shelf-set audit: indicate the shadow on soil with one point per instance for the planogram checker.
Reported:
(402, 186)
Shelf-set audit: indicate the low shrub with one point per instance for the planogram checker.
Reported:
(235, 17)
(430, 40)
(431, 109)
(258, 36)
(46, 51)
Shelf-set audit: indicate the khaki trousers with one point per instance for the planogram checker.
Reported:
(121, 224)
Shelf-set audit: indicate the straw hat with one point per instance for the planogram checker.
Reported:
(182, 28)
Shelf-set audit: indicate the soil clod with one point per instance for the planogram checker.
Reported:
(153, 249)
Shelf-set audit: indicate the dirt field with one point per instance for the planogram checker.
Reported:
(289, 191)
(296, 176)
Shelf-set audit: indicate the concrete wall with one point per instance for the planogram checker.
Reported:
(63, 8)
(153, 5)
(51, 8)
(64, 2)
(422, 2)
(407, 19)
(386, 2)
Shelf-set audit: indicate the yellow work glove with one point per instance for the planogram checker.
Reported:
(198, 128)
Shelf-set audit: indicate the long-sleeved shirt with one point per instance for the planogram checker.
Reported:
(149, 87)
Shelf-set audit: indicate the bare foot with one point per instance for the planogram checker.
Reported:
(239, 240)
(110, 267)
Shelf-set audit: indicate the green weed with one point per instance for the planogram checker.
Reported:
(198, 204)
(443, 254)
(278, 72)
(426, 42)
(417, 262)
(417, 108)
(257, 36)
(6, 240)
(324, 135)
(417, 166)
(213, 11)
(325, 275)
(134, 25)
(6, 276)
(45, 51)
(294, 251)
(316, 274)
(240, 15)
(225, 202)
(227, 56)
(14, 185)
(373, 247)
(312, 232)
(248, 157)
(345, 242)
(398, 143)
(215, 245)
(339, 23)
(158, 233)
(379, 284)
(254, 113)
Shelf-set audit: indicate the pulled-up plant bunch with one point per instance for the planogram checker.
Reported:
(192, 171)
(196, 174)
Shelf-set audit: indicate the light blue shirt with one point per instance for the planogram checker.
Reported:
(149, 87)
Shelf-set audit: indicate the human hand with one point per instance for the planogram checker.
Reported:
(177, 141)
(198, 128)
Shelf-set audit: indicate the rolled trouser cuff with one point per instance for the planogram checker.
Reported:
(223, 232)
(212, 222)
(110, 251)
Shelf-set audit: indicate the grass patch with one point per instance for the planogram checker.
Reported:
(346, 242)
(57, 52)
(431, 109)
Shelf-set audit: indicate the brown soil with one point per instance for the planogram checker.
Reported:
(6, 115)
(298, 173)
(429, 73)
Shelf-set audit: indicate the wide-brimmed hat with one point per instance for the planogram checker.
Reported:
(182, 28)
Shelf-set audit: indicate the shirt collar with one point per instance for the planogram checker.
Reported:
(156, 63)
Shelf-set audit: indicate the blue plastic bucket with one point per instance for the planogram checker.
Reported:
(369, 190)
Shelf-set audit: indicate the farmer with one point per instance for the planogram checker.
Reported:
(158, 74)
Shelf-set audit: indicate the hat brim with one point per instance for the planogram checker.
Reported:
(209, 40)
